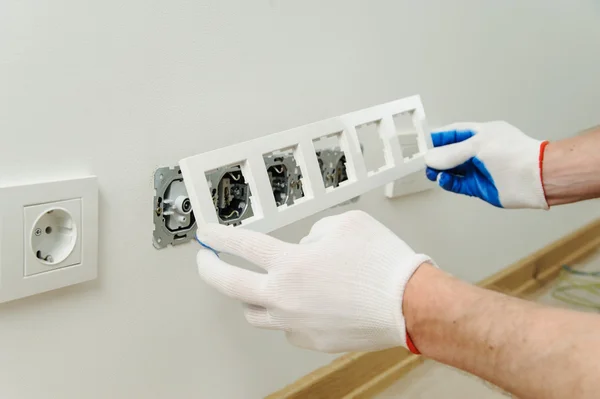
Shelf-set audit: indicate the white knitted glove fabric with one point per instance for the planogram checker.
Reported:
(494, 161)
(339, 290)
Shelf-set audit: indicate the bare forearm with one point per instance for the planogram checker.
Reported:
(571, 169)
(528, 350)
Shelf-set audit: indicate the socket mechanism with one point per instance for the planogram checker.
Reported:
(174, 220)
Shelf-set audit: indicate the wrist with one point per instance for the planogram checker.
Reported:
(416, 304)
(406, 274)
(557, 168)
(551, 171)
(570, 169)
(434, 305)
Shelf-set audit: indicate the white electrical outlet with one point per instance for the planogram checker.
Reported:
(48, 236)
(54, 231)
(414, 183)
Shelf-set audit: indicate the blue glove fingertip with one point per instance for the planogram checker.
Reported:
(431, 174)
(454, 184)
(445, 180)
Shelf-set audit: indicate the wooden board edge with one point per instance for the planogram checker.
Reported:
(362, 375)
(336, 379)
(385, 379)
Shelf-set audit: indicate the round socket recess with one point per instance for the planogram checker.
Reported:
(53, 236)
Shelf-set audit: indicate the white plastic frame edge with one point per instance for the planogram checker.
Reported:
(249, 155)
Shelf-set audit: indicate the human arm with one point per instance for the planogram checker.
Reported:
(353, 285)
(572, 169)
(527, 349)
(498, 163)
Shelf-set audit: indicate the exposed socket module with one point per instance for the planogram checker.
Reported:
(332, 164)
(230, 195)
(174, 221)
(285, 177)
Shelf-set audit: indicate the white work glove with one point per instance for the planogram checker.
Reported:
(493, 161)
(339, 290)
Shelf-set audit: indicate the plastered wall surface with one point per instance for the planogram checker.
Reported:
(118, 89)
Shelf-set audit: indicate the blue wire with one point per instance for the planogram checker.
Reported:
(207, 247)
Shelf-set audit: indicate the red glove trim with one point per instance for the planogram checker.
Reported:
(541, 163)
(411, 346)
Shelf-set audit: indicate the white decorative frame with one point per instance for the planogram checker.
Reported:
(15, 233)
(249, 155)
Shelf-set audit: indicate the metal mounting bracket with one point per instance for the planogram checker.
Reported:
(174, 220)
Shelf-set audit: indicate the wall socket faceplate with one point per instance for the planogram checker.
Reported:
(304, 143)
(48, 236)
(275, 180)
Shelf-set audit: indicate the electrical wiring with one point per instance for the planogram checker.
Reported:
(232, 213)
(578, 288)
(570, 270)
(207, 247)
(233, 177)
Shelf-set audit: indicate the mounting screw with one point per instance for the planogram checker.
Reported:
(38, 232)
(158, 211)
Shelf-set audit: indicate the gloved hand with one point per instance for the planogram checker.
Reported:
(493, 161)
(339, 290)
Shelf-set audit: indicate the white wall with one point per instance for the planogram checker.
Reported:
(118, 88)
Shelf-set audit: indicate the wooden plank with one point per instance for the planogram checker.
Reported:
(386, 378)
(337, 379)
(364, 374)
